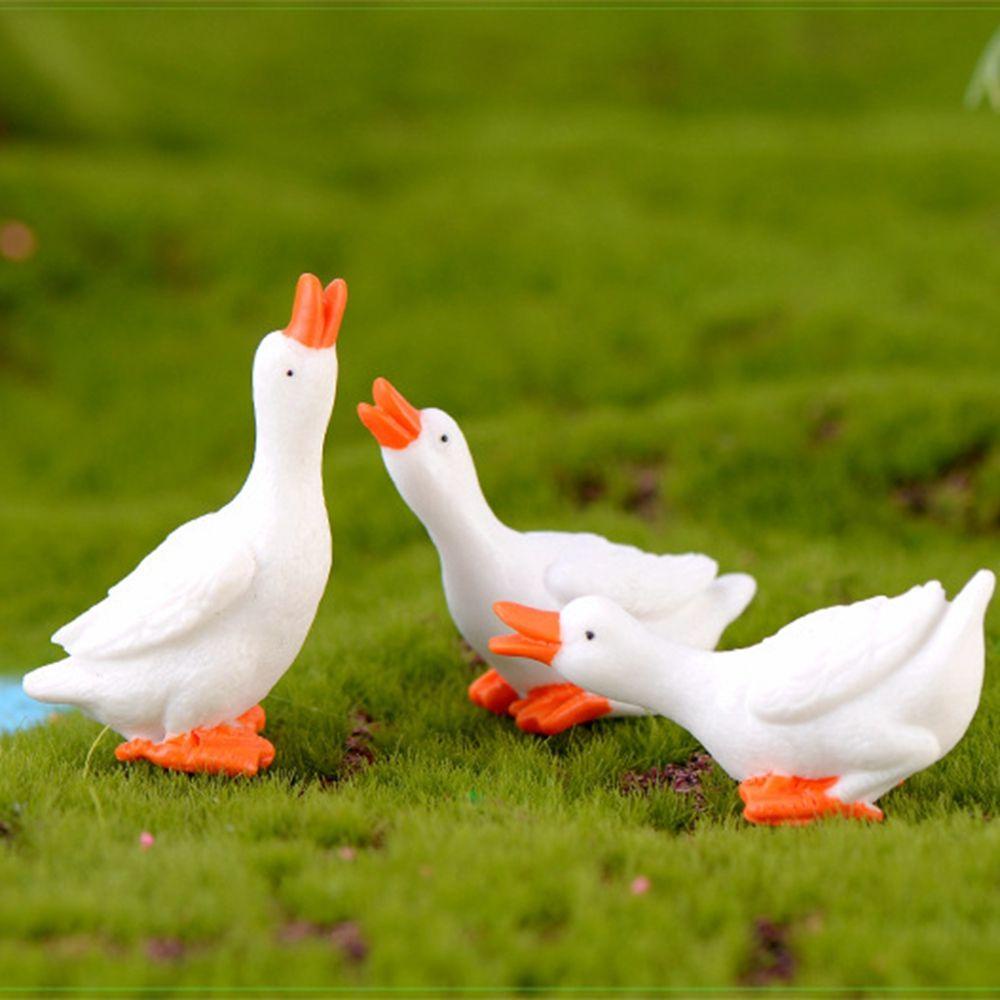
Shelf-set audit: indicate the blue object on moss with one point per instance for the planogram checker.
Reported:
(17, 710)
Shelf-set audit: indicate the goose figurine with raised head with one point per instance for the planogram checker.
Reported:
(825, 716)
(483, 561)
(179, 654)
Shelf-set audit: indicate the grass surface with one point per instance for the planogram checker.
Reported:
(724, 282)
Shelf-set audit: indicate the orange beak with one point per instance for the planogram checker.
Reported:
(316, 314)
(393, 420)
(538, 633)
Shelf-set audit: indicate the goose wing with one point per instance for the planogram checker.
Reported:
(644, 584)
(825, 658)
(193, 576)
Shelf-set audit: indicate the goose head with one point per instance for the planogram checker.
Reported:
(592, 643)
(295, 373)
(425, 453)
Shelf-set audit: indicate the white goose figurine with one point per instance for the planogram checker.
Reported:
(483, 561)
(825, 716)
(178, 655)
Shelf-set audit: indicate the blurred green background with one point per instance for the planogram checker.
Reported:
(717, 280)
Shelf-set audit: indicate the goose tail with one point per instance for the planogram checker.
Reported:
(734, 591)
(958, 639)
(971, 602)
(956, 656)
(701, 622)
(62, 683)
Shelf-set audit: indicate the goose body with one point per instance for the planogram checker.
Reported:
(201, 630)
(826, 715)
(484, 561)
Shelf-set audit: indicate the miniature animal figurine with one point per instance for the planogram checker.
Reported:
(180, 652)
(483, 561)
(825, 716)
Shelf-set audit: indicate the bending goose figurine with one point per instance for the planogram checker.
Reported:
(483, 560)
(178, 655)
(825, 716)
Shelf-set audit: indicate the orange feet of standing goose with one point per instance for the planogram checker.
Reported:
(492, 692)
(232, 749)
(552, 708)
(778, 800)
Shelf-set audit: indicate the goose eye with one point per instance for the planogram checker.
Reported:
(444, 438)
(289, 373)
(589, 635)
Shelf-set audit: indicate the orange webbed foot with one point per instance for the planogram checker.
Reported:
(539, 703)
(492, 692)
(553, 708)
(254, 718)
(785, 800)
(232, 749)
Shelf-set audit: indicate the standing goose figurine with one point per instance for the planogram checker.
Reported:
(483, 561)
(178, 655)
(825, 716)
